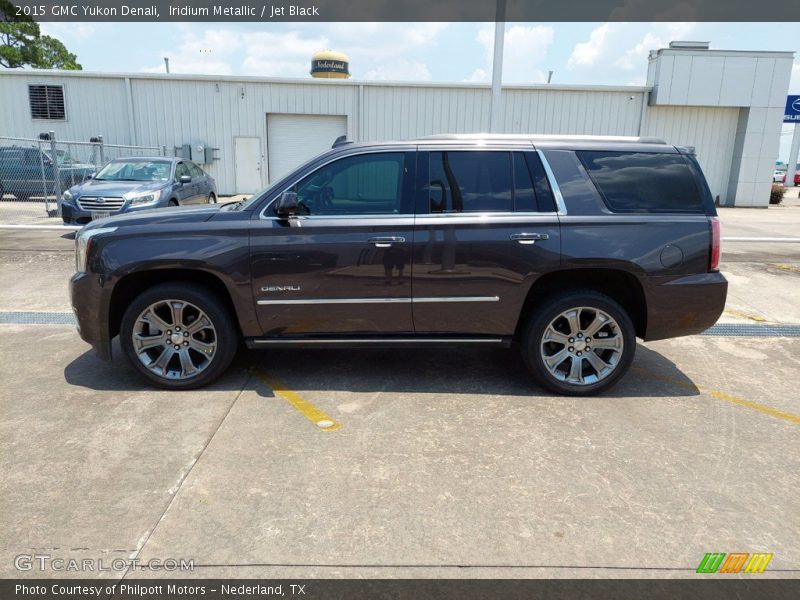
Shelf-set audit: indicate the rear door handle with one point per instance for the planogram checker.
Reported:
(528, 238)
(386, 242)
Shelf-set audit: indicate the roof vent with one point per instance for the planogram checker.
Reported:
(684, 45)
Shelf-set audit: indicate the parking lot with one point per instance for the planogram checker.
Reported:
(424, 463)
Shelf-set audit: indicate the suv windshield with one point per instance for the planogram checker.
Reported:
(135, 170)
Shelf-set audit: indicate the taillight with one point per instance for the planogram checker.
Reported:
(713, 263)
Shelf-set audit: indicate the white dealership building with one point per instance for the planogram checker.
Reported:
(728, 104)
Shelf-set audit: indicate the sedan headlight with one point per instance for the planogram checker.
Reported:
(139, 198)
(83, 242)
(67, 196)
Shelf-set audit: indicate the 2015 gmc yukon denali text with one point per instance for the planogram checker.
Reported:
(567, 247)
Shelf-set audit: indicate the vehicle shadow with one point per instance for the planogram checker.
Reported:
(495, 372)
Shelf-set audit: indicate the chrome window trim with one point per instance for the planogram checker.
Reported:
(399, 300)
(559, 198)
(551, 178)
(459, 215)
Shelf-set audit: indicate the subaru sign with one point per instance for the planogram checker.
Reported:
(792, 112)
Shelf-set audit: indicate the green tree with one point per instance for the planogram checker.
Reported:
(22, 43)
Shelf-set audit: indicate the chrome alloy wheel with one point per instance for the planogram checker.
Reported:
(174, 339)
(582, 346)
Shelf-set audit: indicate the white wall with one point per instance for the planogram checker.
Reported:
(172, 110)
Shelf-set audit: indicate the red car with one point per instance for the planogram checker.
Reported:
(796, 178)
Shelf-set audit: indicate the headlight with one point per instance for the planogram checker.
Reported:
(82, 243)
(137, 198)
(67, 196)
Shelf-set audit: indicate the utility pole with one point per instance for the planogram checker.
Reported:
(497, 68)
(166, 63)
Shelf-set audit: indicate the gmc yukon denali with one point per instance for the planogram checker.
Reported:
(568, 248)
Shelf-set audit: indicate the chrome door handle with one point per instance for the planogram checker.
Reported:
(528, 238)
(386, 242)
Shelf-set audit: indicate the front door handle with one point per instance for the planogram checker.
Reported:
(528, 238)
(386, 242)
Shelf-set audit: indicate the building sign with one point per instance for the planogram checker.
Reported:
(329, 66)
(792, 112)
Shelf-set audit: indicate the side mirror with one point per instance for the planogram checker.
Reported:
(185, 179)
(90, 175)
(287, 205)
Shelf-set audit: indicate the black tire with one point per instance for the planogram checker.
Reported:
(212, 199)
(173, 202)
(534, 346)
(225, 333)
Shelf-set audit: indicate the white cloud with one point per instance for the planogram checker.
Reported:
(479, 76)
(67, 32)
(524, 48)
(401, 70)
(376, 50)
(286, 54)
(586, 54)
(624, 46)
(209, 53)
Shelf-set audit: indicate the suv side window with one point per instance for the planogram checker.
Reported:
(364, 184)
(470, 181)
(643, 181)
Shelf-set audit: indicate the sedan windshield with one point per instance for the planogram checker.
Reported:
(135, 170)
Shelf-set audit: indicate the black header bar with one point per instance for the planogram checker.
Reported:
(409, 10)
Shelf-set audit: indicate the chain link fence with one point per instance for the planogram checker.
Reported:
(34, 173)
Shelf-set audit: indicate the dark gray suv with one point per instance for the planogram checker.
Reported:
(568, 248)
(135, 184)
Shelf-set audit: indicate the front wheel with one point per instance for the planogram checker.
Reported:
(579, 343)
(212, 199)
(178, 336)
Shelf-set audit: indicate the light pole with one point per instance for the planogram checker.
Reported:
(497, 67)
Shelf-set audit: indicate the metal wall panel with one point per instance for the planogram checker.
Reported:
(567, 111)
(175, 110)
(216, 112)
(93, 106)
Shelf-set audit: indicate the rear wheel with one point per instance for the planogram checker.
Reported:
(179, 336)
(579, 343)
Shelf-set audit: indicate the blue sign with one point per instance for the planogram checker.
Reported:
(792, 112)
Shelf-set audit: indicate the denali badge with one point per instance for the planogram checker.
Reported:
(281, 288)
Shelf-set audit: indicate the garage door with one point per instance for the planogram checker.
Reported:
(293, 139)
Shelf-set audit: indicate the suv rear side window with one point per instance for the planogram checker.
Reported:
(470, 181)
(643, 181)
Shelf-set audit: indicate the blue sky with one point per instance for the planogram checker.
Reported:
(577, 53)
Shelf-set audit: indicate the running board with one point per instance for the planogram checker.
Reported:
(399, 342)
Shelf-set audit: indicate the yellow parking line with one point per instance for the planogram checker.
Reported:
(767, 410)
(762, 408)
(743, 315)
(316, 415)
